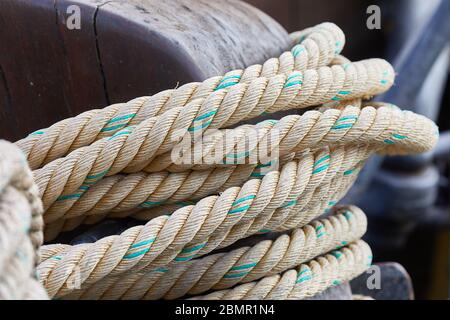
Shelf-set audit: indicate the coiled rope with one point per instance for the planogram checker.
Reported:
(241, 265)
(318, 47)
(131, 150)
(129, 160)
(20, 227)
(306, 280)
(214, 222)
(303, 180)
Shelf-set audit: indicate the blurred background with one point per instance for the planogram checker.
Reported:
(407, 199)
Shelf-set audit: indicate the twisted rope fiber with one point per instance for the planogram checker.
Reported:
(316, 47)
(322, 192)
(131, 150)
(304, 281)
(164, 209)
(297, 129)
(316, 199)
(281, 215)
(314, 191)
(209, 224)
(342, 162)
(210, 246)
(294, 133)
(316, 208)
(20, 227)
(420, 129)
(337, 103)
(125, 189)
(314, 129)
(245, 264)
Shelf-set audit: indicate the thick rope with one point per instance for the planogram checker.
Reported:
(130, 160)
(214, 222)
(385, 127)
(339, 104)
(400, 131)
(342, 162)
(245, 264)
(318, 46)
(131, 150)
(20, 227)
(121, 193)
(215, 238)
(304, 281)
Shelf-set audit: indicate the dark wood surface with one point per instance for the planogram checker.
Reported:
(124, 49)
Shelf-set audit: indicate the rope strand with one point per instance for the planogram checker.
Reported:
(224, 270)
(210, 220)
(20, 226)
(150, 159)
(317, 49)
(304, 281)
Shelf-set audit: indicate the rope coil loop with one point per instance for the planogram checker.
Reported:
(43, 146)
(20, 227)
(304, 281)
(221, 204)
(241, 265)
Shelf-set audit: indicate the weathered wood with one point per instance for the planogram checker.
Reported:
(83, 82)
(30, 72)
(124, 49)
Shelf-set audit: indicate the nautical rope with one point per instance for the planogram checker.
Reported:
(125, 192)
(342, 162)
(214, 221)
(339, 104)
(314, 129)
(241, 265)
(397, 131)
(20, 227)
(304, 281)
(131, 159)
(316, 48)
(183, 236)
(131, 150)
